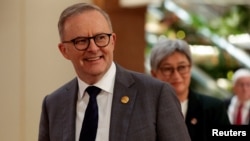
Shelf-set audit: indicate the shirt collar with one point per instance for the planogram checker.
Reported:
(235, 101)
(106, 83)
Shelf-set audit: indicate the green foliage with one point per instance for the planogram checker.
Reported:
(235, 21)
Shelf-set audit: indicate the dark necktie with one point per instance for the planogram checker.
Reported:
(90, 121)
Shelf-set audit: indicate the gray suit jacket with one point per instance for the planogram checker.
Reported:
(153, 112)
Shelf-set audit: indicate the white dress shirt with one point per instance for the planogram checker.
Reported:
(232, 110)
(184, 106)
(104, 101)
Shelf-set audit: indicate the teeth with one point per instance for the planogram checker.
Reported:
(93, 59)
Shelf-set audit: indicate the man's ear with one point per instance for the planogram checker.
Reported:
(114, 38)
(64, 50)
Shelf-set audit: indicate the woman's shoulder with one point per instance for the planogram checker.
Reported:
(208, 100)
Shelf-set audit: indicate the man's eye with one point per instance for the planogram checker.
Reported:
(100, 37)
(81, 41)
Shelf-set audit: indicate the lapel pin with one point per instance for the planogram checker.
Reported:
(125, 99)
(194, 121)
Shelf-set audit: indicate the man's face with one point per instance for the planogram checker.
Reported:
(90, 64)
(242, 88)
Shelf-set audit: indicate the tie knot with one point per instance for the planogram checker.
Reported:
(93, 91)
(241, 105)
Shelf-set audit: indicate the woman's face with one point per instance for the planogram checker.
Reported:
(175, 69)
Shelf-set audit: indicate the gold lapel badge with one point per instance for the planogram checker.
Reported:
(125, 99)
(194, 121)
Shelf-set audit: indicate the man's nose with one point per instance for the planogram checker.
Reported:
(92, 45)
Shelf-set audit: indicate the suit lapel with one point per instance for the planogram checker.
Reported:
(122, 105)
(68, 104)
(194, 110)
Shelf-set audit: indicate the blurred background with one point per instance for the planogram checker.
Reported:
(32, 66)
(217, 31)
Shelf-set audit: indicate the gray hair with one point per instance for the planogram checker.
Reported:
(78, 9)
(165, 47)
(242, 72)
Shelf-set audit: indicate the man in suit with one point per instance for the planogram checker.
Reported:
(238, 105)
(131, 106)
(171, 62)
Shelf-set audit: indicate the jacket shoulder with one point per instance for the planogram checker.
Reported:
(67, 88)
(125, 74)
(209, 101)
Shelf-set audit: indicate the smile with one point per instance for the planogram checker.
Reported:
(93, 58)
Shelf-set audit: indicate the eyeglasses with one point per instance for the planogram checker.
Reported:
(82, 43)
(182, 69)
(243, 84)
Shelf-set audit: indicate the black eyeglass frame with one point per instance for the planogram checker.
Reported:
(73, 41)
(182, 69)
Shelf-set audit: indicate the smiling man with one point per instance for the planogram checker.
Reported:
(105, 102)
